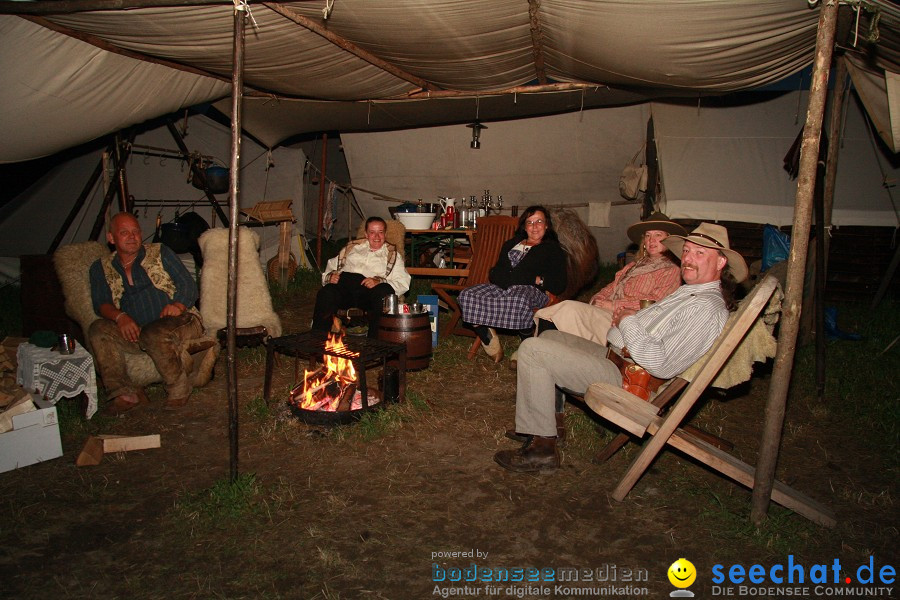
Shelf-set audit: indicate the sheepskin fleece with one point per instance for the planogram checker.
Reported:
(254, 304)
(72, 263)
(582, 255)
(758, 345)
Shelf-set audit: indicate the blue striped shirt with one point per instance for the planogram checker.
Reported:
(142, 301)
(671, 335)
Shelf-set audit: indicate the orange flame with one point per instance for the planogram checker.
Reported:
(337, 369)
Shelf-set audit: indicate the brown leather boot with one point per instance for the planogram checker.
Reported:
(537, 454)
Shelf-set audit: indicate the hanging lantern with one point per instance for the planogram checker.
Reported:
(476, 134)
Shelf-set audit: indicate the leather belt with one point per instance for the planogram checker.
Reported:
(635, 378)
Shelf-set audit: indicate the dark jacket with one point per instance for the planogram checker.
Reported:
(547, 260)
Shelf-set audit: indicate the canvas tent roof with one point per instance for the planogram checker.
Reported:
(389, 64)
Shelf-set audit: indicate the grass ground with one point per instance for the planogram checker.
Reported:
(360, 511)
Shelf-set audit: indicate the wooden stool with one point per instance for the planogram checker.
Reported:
(244, 336)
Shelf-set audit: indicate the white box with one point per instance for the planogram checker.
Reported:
(34, 438)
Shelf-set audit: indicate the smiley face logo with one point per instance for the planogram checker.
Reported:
(682, 573)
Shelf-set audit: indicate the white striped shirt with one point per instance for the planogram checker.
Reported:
(669, 336)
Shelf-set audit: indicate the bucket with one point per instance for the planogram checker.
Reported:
(414, 330)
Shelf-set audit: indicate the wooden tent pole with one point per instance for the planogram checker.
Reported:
(121, 180)
(107, 199)
(824, 210)
(79, 203)
(793, 295)
(819, 284)
(237, 84)
(834, 135)
(321, 200)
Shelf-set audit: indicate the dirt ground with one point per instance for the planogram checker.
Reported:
(385, 507)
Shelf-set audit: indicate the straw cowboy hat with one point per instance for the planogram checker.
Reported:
(710, 236)
(655, 222)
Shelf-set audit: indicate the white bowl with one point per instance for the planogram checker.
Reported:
(416, 220)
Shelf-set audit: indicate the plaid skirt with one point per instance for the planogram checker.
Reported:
(512, 308)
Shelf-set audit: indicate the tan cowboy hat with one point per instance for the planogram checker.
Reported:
(710, 235)
(655, 222)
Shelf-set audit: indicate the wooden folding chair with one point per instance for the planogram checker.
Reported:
(489, 237)
(639, 417)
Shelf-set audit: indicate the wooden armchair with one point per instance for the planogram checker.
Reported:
(574, 236)
(489, 237)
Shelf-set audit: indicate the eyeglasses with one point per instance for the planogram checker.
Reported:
(533, 223)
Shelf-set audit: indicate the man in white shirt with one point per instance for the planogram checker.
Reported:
(665, 339)
(360, 276)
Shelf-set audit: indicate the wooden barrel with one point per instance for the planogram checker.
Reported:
(412, 329)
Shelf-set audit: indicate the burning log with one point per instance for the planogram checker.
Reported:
(346, 398)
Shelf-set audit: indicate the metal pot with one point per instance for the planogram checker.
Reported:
(216, 178)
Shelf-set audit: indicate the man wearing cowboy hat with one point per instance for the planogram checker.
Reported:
(663, 340)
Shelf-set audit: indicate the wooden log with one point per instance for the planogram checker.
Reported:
(346, 399)
(98, 445)
(764, 476)
(127, 443)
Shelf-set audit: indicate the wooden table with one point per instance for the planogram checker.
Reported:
(417, 237)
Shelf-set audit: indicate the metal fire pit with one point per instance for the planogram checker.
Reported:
(311, 345)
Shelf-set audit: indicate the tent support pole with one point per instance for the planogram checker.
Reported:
(321, 199)
(824, 210)
(787, 342)
(237, 84)
(196, 170)
(888, 277)
(79, 203)
(110, 192)
(819, 294)
(121, 179)
(834, 135)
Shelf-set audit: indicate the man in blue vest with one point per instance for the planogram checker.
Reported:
(144, 296)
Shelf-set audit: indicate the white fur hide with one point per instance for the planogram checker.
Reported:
(254, 304)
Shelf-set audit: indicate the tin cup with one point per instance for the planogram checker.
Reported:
(391, 304)
(66, 344)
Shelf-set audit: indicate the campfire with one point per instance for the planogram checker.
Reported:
(334, 386)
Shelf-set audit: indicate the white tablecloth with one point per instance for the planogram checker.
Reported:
(55, 375)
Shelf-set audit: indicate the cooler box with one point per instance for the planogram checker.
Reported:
(431, 303)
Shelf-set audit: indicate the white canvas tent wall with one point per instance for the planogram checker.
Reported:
(572, 159)
(726, 163)
(716, 164)
(30, 222)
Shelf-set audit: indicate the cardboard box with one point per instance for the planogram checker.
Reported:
(431, 302)
(34, 438)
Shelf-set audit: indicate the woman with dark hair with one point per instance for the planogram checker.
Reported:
(531, 265)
